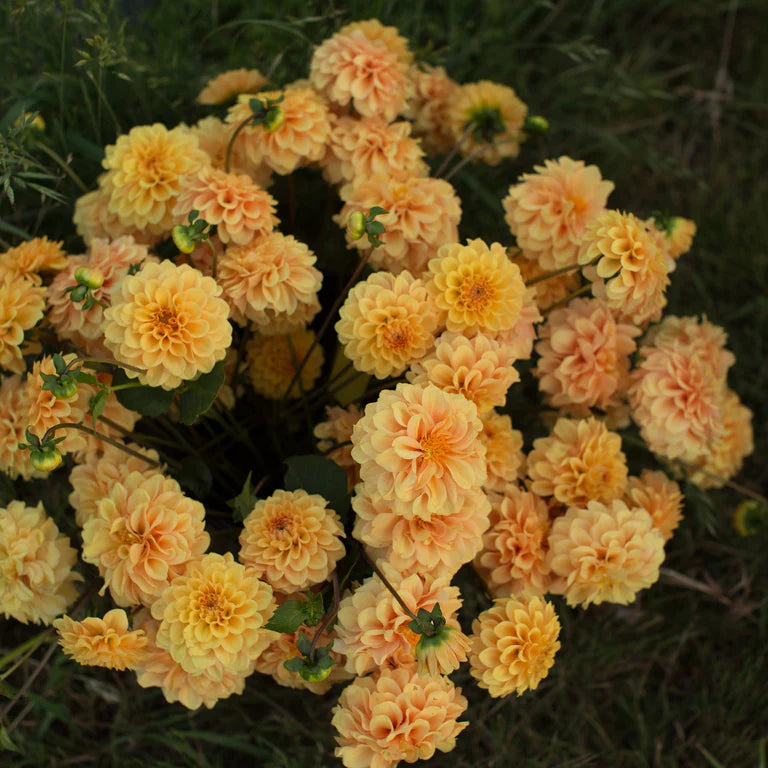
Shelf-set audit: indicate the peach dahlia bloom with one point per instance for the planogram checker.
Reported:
(102, 642)
(350, 66)
(480, 369)
(604, 553)
(31, 258)
(373, 29)
(337, 430)
(584, 355)
(292, 540)
(520, 337)
(630, 273)
(37, 582)
(659, 496)
(372, 629)
(225, 86)
(428, 106)
(422, 214)
(240, 209)
(514, 645)
(386, 323)
(142, 535)
(679, 235)
(145, 168)
(440, 545)
(214, 614)
(397, 715)
(274, 360)
(504, 456)
(418, 447)
(579, 462)
(168, 321)
(548, 211)
(476, 288)
(513, 559)
(272, 281)
(13, 424)
(21, 307)
(553, 289)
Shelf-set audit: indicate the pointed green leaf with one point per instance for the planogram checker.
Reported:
(198, 395)
(244, 502)
(148, 401)
(288, 617)
(316, 474)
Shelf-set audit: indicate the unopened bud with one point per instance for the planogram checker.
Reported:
(355, 225)
(749, 517)
(45, 459)
(65, 388)
(274, 118)
(182, 240)
(90, 277)
(536, 124)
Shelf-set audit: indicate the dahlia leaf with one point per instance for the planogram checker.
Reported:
(316, 474)
(198, 395)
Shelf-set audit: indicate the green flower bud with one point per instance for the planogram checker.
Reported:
(274, 118)
(355, 225)
(90, 277)
(315, 673)
(45, 459)
(65, 388)
(749, 517)
(536, 124)
(182, 240)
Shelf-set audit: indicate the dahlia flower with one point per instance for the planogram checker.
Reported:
(225, 86)
(213, 135)
(373, 29)
(442, 652)
(337, 431)
(21, 307)
(31, 258)
(13, 424)
(520, 337)
(659, 496)
(504, 456)
(428, 106)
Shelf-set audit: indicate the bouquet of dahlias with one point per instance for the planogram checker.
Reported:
(257, 495)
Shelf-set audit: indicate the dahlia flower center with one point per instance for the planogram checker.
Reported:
(397, 336)
(166, 321)
(578, 203)
(434, 447)
(152, 165)
(212, 607)
(485, 122)
(476, 292)
(282, 527)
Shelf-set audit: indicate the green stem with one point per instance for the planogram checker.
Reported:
(228, 160)
(127, 385)
(214, 257)
(64, 166)
(391, 589)
(472, 155)
(452, 153)
(329, 617)
(584, 289)
(554, 273)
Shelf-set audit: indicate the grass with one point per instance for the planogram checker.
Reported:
(663, 95)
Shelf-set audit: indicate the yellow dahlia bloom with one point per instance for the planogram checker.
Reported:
(373, 29)
(352, 67)
(359, 148)
(440, 545)
(21, 307)
(504, 456)
(92, 480)
(102, 642)
(142, 535)
(240, 209)
(480, 369)
(604, 553)
(476, 288)
(145, 169)
(301, 137)
(225, 86)
(579, 462)
(272, 281)
(631, 274)
(514, 645)
(492, 113)
(93, 219)
(169, 321)
(513, 559)
(372, 628)
(428, 106)
(32, 257)
(214, 614)
(548, 211)
(337, 430)
(422, 214)
(37, 582)
(584, 355)
(292, 540)
(680, 236)
(157, 669)
(13, 424)
(274, 360)
(553, 289)
(397, 715)
(659, 496)
(418, 447)
(386, 323)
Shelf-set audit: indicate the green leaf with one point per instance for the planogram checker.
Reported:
(198, 395)
(294, 664)
(5, 741)
(303, 644)
(376, 211)
(148, 401)
(195, 475)
(58, 364)
(288, 617)
(316, 474)
(245, 501)
(85, 378)
(375, 228)
(313, 609)
(97, 403)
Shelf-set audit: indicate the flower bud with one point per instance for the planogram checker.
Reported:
(536, 124)
(65, 388)
(749, 517)
(77, 294)
(90, 277)
(182, 240)
(314, 674)
(355, 225)
(45, 459)
(441, 652)
(274, 118)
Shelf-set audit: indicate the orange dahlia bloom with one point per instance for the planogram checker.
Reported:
(300, 138)
(373, 29)
(272, 281)
(359, 148)
(440, 545)
(143, 534)
(631, 274)
(513, 559)
(487, 114)
(31, 258)
(169, 321)
(337, 430)
(553, 289)
(604, 553)
(579, 462)
(353, 67)
(274, 360)
(548, 211)
(386, 323)
(422, 214)
(21, 308)
(476, 288)
(102, 642)
(214, 614)
(37, 582)
(397, 715)
(514, 645)
(659, 496)
(145, 169)
(240, 209)
(428, 106)
(418, 447)
(372, 628)
(93, 219)
(680, 236)
(480, 369)
(584, 355)
(292, 540)
(225, 86)
(13, 424)
(503, 451)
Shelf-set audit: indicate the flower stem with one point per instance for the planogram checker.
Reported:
(63, 165)
(228, 160)
(452, 153)
(214, 257)
(391, 589)
(566, 299)
(329, 617)
(479, 151)
(554, 273)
